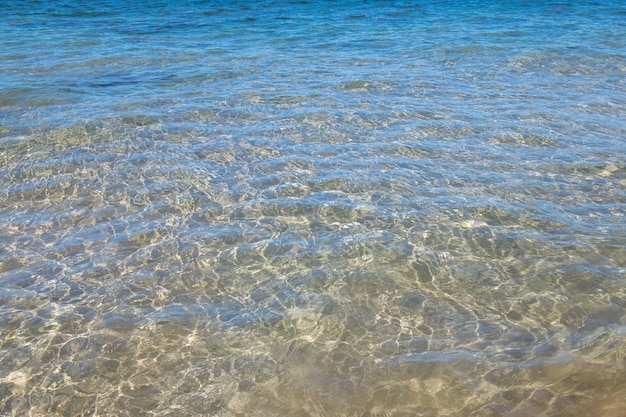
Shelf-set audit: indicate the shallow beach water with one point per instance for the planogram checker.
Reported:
(313, 208)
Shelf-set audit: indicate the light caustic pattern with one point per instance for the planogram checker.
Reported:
(370, 222)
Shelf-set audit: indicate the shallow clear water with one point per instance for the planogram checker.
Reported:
(313, 208)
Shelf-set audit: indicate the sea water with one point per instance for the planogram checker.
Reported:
(313, 208)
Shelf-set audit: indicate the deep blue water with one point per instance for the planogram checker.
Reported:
(313, 208)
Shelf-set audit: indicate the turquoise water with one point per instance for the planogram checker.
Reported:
(313, 208)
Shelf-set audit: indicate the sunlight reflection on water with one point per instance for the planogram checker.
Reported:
(241, 227)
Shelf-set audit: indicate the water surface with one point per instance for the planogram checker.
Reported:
(313, 208)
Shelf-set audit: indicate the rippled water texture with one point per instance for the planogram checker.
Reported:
(305, 209)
